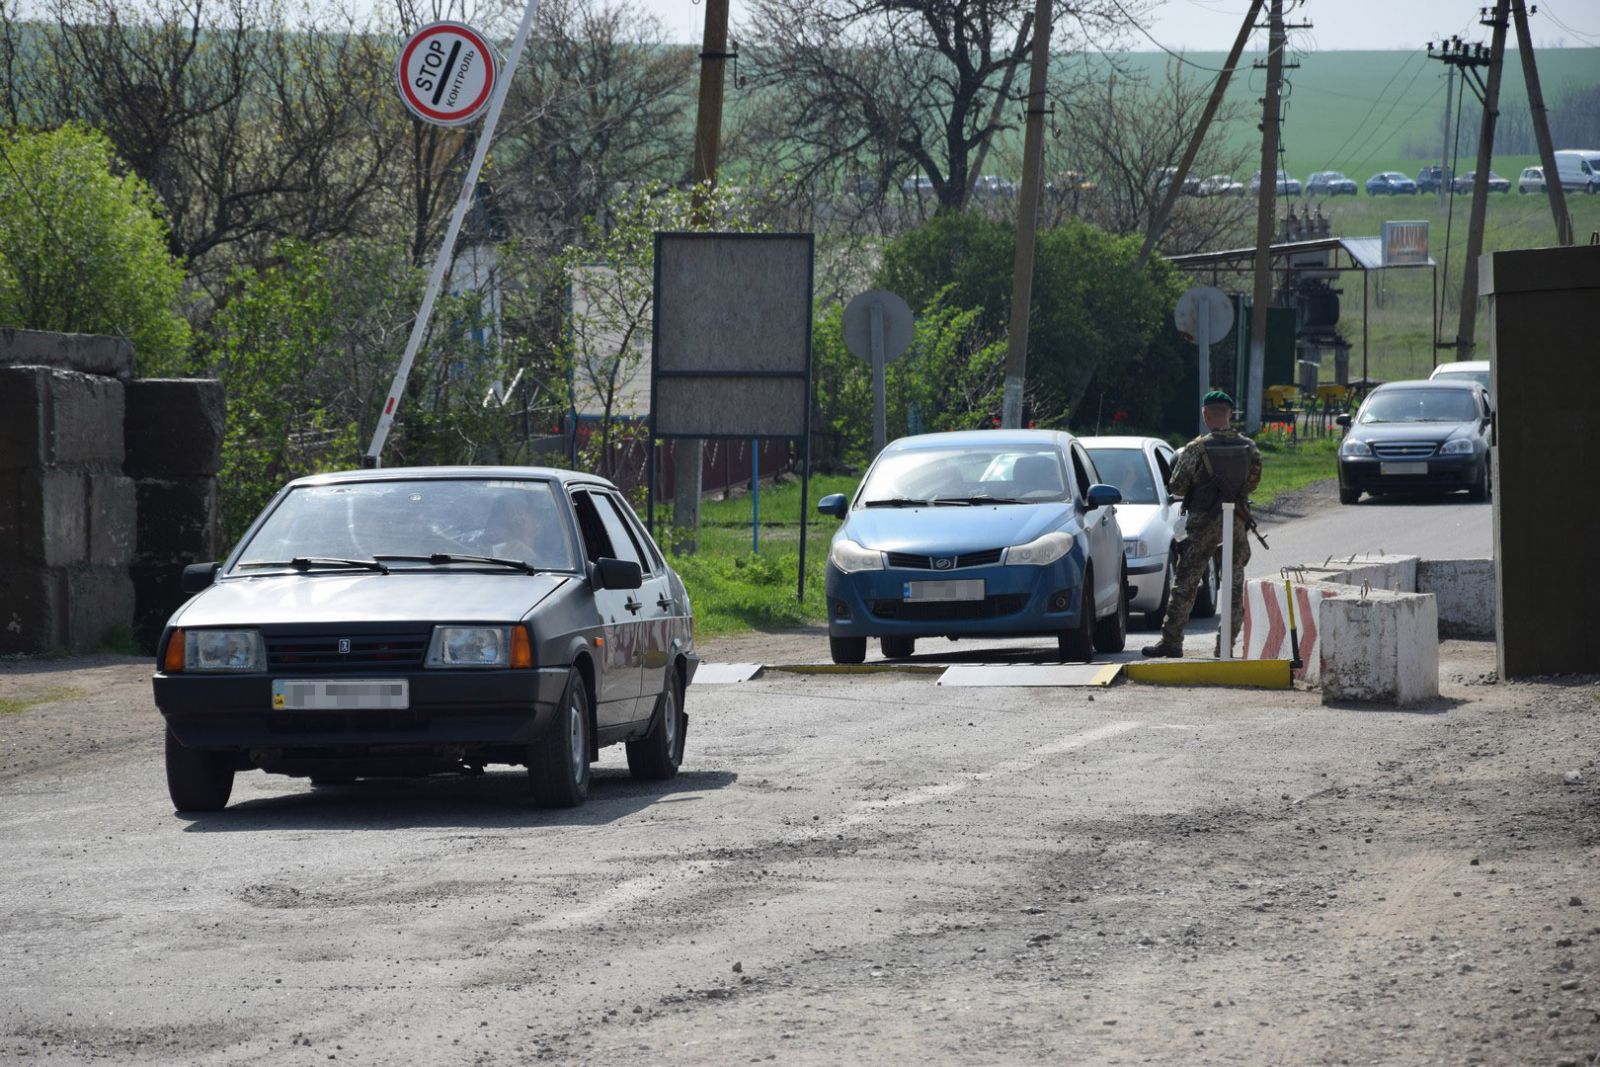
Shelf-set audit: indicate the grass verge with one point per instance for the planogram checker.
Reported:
(18, 705)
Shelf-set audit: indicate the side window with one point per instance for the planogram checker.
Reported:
(622, 546)
(1083, 470)
(596, 543)
(1164, 465)
(647, 546)
(613, 510)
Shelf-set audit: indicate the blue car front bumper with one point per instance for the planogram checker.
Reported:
(1018, 601)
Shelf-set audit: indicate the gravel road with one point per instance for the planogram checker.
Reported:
(851, 868)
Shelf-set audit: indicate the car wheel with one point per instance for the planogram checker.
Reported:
(1480, 487)
(1077, 644)
(847, 649)
(197, 780)
(657, 755)
(1349, 496)
(1205, 599)
(1154, 619)
(1111, 632)
(897, 647)
(558, 765)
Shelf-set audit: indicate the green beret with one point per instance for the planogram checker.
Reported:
(1216, 396)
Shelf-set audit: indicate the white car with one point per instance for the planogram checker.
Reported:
(1471, 370)
(1531, 180)
(1151, 521)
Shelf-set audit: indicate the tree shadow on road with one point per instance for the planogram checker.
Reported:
(496, 800)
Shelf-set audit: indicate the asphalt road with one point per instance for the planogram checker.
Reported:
(1433, 528)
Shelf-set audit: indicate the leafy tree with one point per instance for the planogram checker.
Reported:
(83, 248)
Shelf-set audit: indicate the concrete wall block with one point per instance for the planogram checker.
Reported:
(113, 515)
(43, 518)
(1464, 589)
(99, 599)
(85, 352)
(1397, 574)
(174, 427)
(24, 415)
(157, 593)
(33, 615)
(1382, 648)
(86, 420)
(178, 520)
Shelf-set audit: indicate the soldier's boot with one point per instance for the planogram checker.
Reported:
(1163, 648)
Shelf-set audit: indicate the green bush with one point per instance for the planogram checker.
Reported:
(83, 248)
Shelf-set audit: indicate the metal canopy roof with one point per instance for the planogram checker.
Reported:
(1362, 253)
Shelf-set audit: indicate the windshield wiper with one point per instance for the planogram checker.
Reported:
(975, 501)
(896, 502)
(438, 558)
(304, 563)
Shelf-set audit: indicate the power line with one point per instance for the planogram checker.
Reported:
(1403, 122)
(1579, 34)
(1175, 55)
(1361, 125)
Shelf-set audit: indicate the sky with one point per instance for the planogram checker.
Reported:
(1210, 25)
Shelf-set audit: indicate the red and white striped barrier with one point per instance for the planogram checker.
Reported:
(1266, 622)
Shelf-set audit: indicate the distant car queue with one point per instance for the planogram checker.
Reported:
(1579, 171)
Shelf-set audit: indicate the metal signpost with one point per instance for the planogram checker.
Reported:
(448, 75)
(1204, 316)
(878, 328)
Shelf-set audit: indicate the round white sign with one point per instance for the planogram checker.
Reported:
(446, 73)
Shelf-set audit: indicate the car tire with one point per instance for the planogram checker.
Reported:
(1479, 492)
(1077, 644)
(898, 647)
(847, 649)
(1154, 619)
(657, 755)
(197, 779)
(558, 763)
(1205, 598)
(1349, 496)
(1111, 632)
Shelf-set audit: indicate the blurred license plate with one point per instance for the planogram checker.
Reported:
(346, 694)
(1402, 468)
(963, 589)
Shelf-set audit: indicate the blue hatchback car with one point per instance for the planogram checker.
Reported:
(994, 533)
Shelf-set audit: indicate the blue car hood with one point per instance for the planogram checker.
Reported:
(442, 595)
(954, 529)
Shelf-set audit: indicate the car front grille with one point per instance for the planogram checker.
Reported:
(1404, 449)
(993, 607)
(368, 652)
(912, 561)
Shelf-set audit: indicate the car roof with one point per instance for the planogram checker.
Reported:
(1464, 365)
(1120, 442)
(980, 438)
(385, 474)
(1426, 383)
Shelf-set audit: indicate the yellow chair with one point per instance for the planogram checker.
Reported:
(1332, 397)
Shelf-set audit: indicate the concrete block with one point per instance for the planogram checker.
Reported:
(157, 593)
(86, 416)
(43, 519)
(112, 519)
(178, 520)
(1397, 574)
(1464, 589)
(33, 616)
(1266, 623)
(84, 352)
(174, 427)
(99, 599)
(1381, 648)
(24, 415)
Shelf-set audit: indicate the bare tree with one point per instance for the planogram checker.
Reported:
(873, 88)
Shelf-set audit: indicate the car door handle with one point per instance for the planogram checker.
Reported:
(633, 606)
(663, 603)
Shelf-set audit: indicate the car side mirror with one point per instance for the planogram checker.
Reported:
(835, 504)
(616, 574)
(198, 576)
(1103, 496)
(1341, 420)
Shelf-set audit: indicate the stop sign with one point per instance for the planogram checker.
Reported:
(446, 73)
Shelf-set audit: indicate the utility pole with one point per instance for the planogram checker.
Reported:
(1170, 198)
(689, 453)
(1027, 221)
(1444, 153)
(1480, 182)
(1265, 209)
(1541, 126)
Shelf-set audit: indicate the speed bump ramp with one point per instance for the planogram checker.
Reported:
(1246, 673)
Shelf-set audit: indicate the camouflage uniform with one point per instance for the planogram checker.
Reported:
(1205, 534)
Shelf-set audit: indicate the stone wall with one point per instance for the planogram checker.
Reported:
(103, 481)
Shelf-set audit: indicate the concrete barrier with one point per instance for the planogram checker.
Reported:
(1464, 589)
(110, 357)
(1266, 623)
(1379, 647)
(1397, 574)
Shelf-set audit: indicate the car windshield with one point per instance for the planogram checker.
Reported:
(507, 519)
(1420, 405)
(1129, 471)
(1028, 474)
(1479, 376)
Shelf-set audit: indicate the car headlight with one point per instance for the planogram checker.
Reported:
(850, 557)
(1352, 447)
(1456, 447)
(1135, 549)
(223, 650)
(1038, 553)
(470, 646)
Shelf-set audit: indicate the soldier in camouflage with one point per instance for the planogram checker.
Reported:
(1219, 467)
